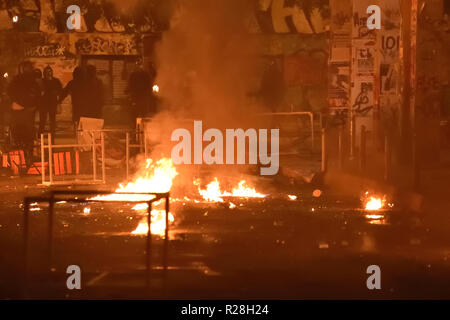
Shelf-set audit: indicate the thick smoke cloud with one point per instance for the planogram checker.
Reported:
(207, 62)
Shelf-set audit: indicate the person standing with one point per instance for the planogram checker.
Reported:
(52, 91)
(76, 89)
(24, 92)
(94, 90)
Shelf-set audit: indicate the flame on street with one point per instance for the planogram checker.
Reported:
(158, 225)
(213, 192)
(156, 177)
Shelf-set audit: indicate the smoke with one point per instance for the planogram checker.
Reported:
(207, 69)
(207, 62)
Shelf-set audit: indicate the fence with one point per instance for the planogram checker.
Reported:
(97, 141)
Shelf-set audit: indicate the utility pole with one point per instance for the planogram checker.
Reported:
(409, 145)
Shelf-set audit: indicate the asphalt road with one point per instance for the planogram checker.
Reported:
(263, 249)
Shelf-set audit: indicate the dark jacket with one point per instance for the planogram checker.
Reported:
(24, 90)
(52, 90)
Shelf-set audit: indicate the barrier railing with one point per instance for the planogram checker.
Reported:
(86, 196)
(95, 135)
(294, 114)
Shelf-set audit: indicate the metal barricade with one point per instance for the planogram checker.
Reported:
(86, 196)
(96, 135)
(294, 114)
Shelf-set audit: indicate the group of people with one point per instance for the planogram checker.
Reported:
(33, 90)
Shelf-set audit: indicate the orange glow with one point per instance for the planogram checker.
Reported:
(213, 193)
(292, 198)
(317, 193)
(158, 226)
(374, 204)
(155, 177)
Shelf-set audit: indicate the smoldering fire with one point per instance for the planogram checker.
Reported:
(213, 153)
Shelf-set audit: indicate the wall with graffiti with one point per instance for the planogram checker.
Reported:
(433, 74)
(293, 33)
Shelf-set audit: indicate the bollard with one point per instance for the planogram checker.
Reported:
(362, 149)
(387, 159)
(324, 151)
(341, 148)
(352, 138)
(415, 162)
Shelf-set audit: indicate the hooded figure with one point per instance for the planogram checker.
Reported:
(24, 93)
(76, 89)
(94, 90)
(52, 91)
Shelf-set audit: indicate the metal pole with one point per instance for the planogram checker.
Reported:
(51, 209)
(352, 135)
(42, 158)
(415, 161)
(102, 136)
(94, 156)
(127, 152)
(26, 207)
(341, 148)
(50, 157)
(312, 130)
(166, 234)
(149, 243)
(324, 150)
(362, 151)
(387, 158)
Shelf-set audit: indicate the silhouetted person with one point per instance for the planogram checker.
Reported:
(24, 92)
(140, 92)
(76, 89)
(272, 87)
(52, 91)
(94, 92)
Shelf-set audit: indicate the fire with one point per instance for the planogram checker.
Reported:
(213, 193)
(242, 191)
(15, 19)
(155, 88)
(292, 197)
(156, 177)
(158, 225)
(374, 204)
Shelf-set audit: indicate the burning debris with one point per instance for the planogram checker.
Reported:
(375, 203)
(213, 193)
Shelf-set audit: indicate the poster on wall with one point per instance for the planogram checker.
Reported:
(360, 16)
(363, 101)
(339, 84)
(364, 58)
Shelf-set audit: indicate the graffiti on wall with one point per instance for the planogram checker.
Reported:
(293, 16)
(100, 45)
(46, 51)
(50, 16)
